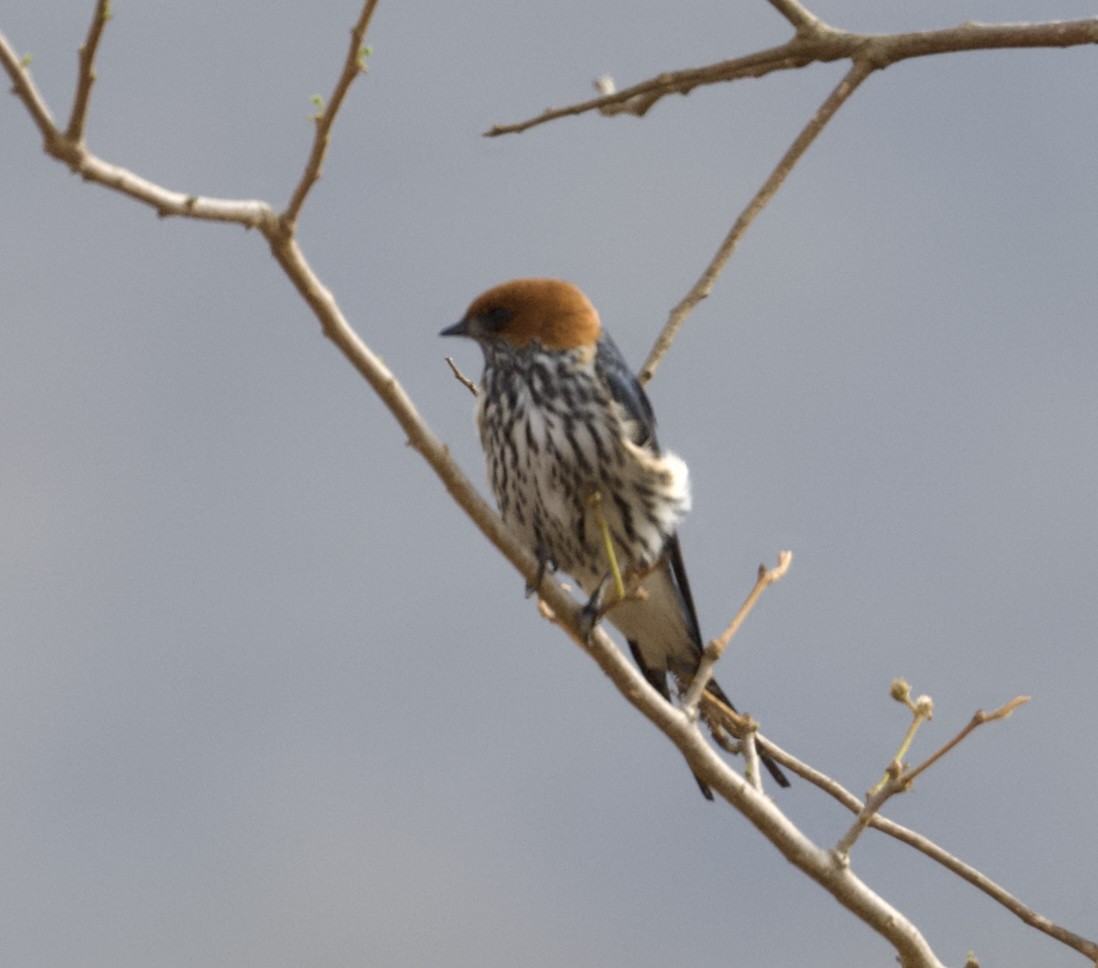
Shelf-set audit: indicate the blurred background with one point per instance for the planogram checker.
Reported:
(268, 699)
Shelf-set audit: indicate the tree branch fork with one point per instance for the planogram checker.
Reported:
(816, 42)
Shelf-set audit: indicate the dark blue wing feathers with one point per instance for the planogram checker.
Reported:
(627, 392)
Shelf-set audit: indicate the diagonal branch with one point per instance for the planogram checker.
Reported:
(712, 653)
(354, 65)
(978, 719)
(24, 88)
(788, 56)
(835, 100)
(932, 850)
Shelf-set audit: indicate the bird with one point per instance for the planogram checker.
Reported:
(569, 437)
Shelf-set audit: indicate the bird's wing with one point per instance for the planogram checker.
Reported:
(634, 408)
(682, 584)
(640, 421)
(654, 628)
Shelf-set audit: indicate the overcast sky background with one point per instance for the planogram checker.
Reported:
(267, 699)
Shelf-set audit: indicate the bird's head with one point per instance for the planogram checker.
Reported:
(549, 312)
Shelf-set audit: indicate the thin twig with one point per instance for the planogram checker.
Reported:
(715, 649)
(461, 377)
(23, 87)
(354, 65)
(922, 710)
(978, 719)
(788, 56)
(86, 75)
(835, 100)
(897, 779)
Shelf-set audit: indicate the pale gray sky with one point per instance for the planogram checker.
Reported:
(267, 699)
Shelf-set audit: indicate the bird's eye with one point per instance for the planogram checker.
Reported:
(496, 318)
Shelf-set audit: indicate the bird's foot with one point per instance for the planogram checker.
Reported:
(545, 564)
(592, 612)
(589, 618)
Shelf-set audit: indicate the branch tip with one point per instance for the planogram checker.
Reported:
(86, 75)
(461, 377)
(715, 648)
(1004, 711)
(353, 65)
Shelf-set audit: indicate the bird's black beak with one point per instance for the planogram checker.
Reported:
(460, 328)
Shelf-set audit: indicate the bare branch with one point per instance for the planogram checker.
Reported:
(787, 56)
(894, 781)
(86, 75)
(897, 779)
(814, 42)
(23, 87)
(821, 865)
(249, 213)
(932, 850)
(978, 719)
(921, 710)
(68, 146)
(715, 649)
(818, 43)
(353, 65)
(461, 377)
(701, 289)
(72, 152)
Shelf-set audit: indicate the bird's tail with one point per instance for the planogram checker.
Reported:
(663, 636)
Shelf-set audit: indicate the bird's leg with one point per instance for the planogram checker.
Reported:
(600, 602)
(595, 607)
(597, 604)
(545, 564)
(595, 501)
